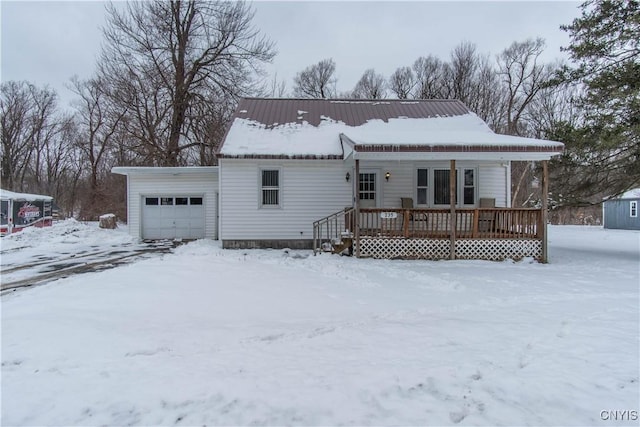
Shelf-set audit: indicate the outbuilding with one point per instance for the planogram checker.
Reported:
(622, 212)
(20, 210)
(172, 202)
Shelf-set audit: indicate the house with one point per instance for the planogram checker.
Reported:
(622, 211)
(20, 210)
(377, 178)
(312, 173)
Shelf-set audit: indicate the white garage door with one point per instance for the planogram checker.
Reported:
(172, 217)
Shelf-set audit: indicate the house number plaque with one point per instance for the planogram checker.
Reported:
(388, 215)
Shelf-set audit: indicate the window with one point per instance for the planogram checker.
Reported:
(182, 200)
(633, 209)
(166, 201)
(441, 190)
(151, 201)
(270, 187)
(196, 201)
(422, 186)
(367, 186)
(469, 187)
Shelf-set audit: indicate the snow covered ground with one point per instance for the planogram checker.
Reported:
(205, 336)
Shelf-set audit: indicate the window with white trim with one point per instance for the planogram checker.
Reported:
(270, 187)
(440, 192)
(469, 187)
(422, 187)
(633, 209)
(367, 186)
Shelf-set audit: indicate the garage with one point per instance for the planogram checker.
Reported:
(173, 217)
(172, 202)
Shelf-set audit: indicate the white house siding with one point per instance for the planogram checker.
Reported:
(195, 185)
(491, 180)
(309, 190)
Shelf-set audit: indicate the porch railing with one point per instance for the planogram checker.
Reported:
(333, 228)
(486, 223)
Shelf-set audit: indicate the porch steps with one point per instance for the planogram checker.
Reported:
(342, 245)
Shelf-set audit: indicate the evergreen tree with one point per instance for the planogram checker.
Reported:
(602, 155)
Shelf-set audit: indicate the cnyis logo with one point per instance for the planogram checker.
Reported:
(29, 212)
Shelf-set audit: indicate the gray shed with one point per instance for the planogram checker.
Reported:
(622, 212)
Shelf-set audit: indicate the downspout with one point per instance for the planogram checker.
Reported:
(507, 185)
(357, 203)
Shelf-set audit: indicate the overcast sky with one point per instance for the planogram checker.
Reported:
(48, 42)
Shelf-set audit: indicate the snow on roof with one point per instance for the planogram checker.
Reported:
(10, 195)
(251, 138)
(631, 194)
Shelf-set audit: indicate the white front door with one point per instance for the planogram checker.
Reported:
(368, 189)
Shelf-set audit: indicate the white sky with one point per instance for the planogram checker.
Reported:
(48, 42)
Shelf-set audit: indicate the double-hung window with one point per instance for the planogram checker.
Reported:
(633, 209)
(469, 187)
(422, 189)
(270, 187)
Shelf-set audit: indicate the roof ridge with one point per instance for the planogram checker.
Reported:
(259, 98)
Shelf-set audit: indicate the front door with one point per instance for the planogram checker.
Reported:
(368, 189)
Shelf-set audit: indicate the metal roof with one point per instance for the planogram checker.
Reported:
(277, 111)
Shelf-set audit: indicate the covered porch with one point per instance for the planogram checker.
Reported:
(470, 226)
(482, 233)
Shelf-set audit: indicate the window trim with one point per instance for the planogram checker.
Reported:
(261, 203)
(633, 209)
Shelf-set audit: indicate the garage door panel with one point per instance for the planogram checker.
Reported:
(173, 217)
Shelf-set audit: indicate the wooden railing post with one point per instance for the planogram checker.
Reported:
(545, 196)
(405, 223)
(476, 216)
(452, 209)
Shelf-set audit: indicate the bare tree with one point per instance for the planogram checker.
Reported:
(402, 82)
(523, 77)
(99, 121)
(15, 108)
(160, 54)
(277, 88)
(316, 81)
(30, 122)
(431, 76)
(370, 86)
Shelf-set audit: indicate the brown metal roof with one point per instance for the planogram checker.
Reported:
(277, 111)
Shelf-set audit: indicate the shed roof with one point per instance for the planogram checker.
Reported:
(333, 128)
(631, 194)
(10, 195)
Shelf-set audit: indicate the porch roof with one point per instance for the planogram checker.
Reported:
(380, 129)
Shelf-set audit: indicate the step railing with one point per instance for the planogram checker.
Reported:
(331, 229)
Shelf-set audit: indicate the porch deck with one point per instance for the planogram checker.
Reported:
(481, 233)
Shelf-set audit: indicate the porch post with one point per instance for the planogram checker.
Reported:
(452, 200)
(545, 207)
(357, 205)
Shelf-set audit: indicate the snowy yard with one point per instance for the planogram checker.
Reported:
(205, 336)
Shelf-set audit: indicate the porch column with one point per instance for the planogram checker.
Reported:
(357, 205)
(452, 200)
(545, 198)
